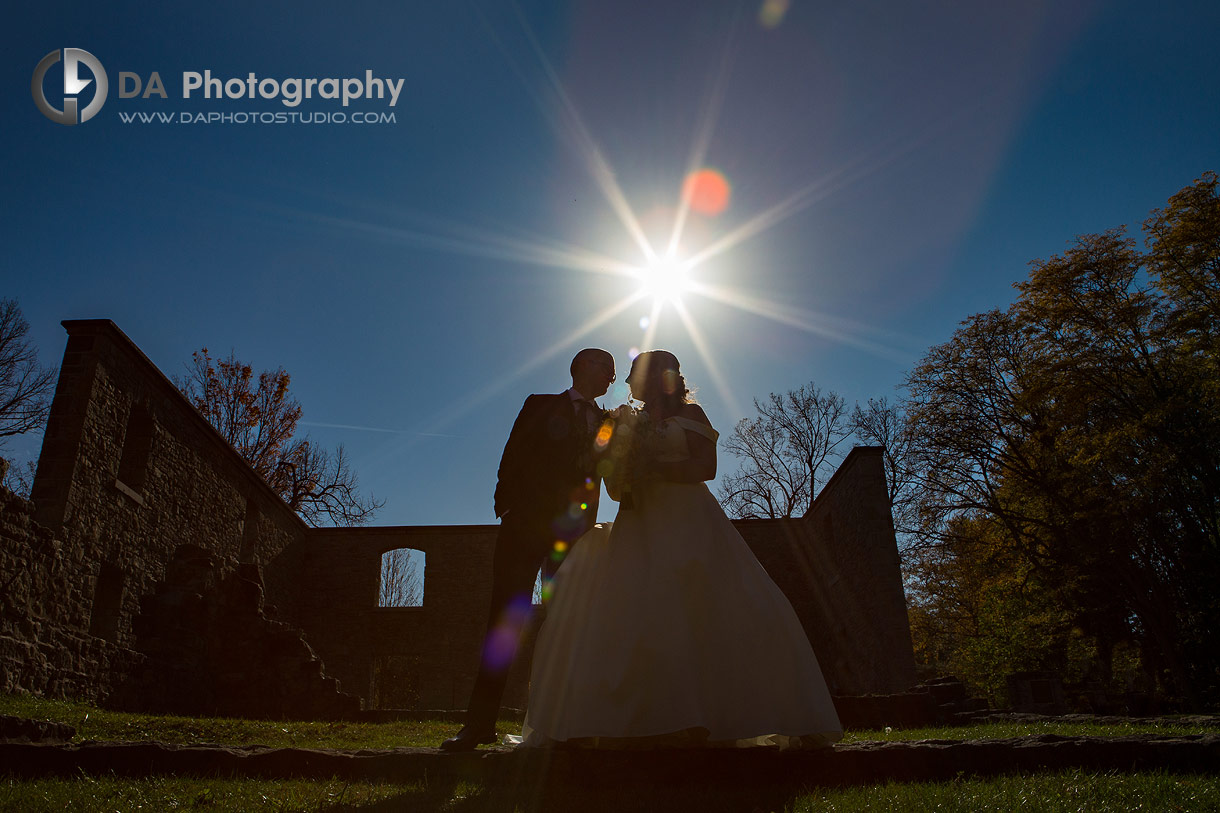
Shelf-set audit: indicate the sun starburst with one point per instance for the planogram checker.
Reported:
(665, 280)
(665, 274)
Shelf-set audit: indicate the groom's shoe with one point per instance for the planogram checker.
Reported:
(468, 740)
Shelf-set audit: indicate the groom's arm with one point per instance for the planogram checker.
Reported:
(514, 469)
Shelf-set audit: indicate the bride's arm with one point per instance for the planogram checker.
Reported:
(614, 453)
(614, 487)
(701, 465)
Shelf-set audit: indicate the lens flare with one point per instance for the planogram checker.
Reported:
(603, 437)
(772, 12)
(501, 644)
(706, 191)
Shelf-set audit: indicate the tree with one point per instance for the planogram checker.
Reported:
(259, 421)
(1080, 428)
(25, 385)
(1184, 255)
(19, 478)
(785, 452)
(25, 394)
(980, 612)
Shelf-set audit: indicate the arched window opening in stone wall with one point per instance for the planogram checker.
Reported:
(107, 603)
(402, 578)
(137, 443)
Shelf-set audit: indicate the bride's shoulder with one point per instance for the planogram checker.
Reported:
(694, 412)
(691, 418)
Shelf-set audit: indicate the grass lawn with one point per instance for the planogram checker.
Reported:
(92, 723)
(1071, 791)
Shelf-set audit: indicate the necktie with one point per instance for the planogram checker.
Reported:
(589, 410)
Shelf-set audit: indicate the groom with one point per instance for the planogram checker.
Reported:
(546, 498)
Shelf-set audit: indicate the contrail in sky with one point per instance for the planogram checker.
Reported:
(376, 429)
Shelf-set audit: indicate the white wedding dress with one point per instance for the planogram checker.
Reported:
(664, 630)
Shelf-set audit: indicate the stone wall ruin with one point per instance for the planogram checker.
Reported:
(132, 479)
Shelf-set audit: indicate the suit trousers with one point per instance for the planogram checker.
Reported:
(522, 546)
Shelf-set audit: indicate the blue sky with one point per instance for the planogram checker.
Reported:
(893, 168)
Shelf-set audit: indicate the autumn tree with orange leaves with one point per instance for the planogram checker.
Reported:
(258, 417)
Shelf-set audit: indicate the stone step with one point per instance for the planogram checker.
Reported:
(859, 763)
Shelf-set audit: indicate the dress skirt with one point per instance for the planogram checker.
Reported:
(664, 629)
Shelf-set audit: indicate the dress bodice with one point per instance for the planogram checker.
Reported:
(671, 437)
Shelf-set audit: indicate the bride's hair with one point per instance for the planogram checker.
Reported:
(661, 383)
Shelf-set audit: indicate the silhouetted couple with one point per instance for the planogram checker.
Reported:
(662, 629)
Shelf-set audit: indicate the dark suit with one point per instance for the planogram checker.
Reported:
(546, 492)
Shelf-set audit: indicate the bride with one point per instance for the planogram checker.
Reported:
(664, 630)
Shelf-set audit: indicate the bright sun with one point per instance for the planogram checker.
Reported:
(665, 279)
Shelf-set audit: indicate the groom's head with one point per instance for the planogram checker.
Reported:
(592, 372)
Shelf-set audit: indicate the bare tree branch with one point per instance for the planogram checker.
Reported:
(18, 477)
(25, 386)
(786, 453)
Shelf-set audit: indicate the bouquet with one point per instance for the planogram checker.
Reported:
(629, 459)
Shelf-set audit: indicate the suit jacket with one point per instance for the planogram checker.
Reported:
(548, 468)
